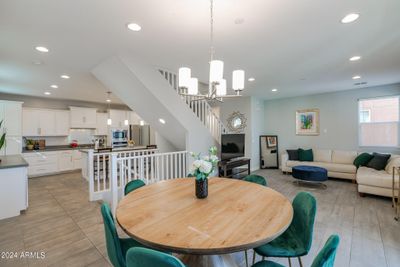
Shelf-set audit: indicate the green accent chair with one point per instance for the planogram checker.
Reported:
(325, 258)
(133, 185)
(254, 178)
(116, 247)
(143, 257)
(296, 240)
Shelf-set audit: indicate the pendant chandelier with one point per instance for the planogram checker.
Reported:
(217, 89)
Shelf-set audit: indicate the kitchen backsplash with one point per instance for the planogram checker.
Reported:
(83, 136)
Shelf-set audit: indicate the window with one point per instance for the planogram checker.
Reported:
(379, 122)
(365, 115)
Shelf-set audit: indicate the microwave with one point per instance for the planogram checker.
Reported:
(119, 138)
(119, 134)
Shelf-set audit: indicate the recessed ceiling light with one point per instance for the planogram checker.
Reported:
(356, 77)
(42, 49)
(350, 18)
(251, 79)
(54, 86)
(274, 90)
(65, 76)
(108, 100)
(47, 93)
(134, 27)
(355, 58)
(162, 121)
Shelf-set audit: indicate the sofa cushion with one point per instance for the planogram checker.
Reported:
(306, 155)
(379, 161)
(362, 159)
(372, 177)
(394, 161)
(293, 154)
(345, 157)
(322, 155)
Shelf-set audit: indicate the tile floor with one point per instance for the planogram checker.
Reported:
(62, 223)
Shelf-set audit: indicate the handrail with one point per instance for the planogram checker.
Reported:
(201, 108)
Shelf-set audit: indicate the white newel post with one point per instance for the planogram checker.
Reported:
(114, 183)
(90, 173)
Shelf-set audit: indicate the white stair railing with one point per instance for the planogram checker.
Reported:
(200, 108)
(149, 168)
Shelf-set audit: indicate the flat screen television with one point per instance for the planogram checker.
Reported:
(232, 146)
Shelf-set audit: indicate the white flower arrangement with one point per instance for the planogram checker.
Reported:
(202, 167)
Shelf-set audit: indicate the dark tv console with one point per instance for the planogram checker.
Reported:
(234, 168)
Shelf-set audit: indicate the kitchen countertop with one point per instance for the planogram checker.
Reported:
(58, 148)
(12, 161)
(116, 149)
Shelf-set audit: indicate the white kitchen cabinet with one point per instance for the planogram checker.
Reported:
(102, 127)
(11, 115)
(45, 122)
(77, 159)
(83, 117)
(30, 122)
(62, 122)
(65, 162)
(118, 118)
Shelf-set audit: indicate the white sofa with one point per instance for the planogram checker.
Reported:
(338, 163)
(371, 181)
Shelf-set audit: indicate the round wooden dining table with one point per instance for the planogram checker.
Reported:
(236, 216)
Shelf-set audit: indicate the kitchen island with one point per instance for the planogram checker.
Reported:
(13, 186)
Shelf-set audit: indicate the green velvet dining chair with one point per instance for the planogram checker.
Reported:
(133, 185)
(254, 178)
(116, 247)
(144, 257)
(297, 239)
(325, 258)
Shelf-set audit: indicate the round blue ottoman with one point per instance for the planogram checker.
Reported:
(310, 174)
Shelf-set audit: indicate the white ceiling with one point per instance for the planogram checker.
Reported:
(299, 47)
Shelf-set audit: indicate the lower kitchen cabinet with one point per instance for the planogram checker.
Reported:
(44, 163)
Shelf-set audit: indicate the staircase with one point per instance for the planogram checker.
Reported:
(200, 108)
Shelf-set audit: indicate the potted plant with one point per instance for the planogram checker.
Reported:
(2, 138)
(201, 168)
(29, 144)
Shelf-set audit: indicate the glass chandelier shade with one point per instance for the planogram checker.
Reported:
(221, 88)
(238, 80)
(216, 71)
(184, 77)
(193, 88)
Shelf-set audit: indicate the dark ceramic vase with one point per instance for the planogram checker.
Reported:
(201, 188)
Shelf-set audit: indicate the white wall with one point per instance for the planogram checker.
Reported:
(338, 118)
(253, 110)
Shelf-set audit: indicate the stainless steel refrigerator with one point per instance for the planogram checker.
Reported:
(140, 134)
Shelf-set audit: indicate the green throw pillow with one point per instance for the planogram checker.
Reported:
(362, 159)
(306, 155)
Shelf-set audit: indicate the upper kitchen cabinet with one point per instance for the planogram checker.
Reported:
(45, 122)
(62, 122)
(102, 127)
(118, 118)
(11, 115)
(83, 117)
